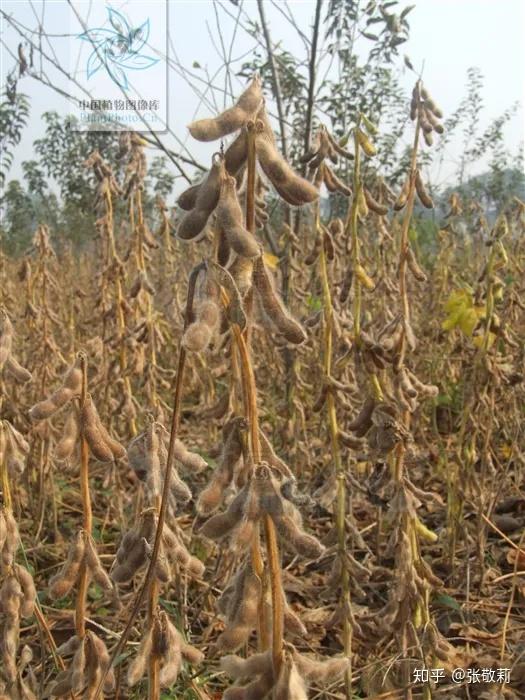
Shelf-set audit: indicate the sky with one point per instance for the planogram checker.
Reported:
(446, 38)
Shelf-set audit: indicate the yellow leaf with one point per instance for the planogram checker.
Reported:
(467, 321)
(478, 340)
(271, 261)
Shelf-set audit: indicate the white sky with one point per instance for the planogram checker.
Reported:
(449, 36)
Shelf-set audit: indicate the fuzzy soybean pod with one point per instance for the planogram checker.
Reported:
(274, 307)
(190, 460)
(9, 535)
(192, 224)
(320, 671)
(137, 668)
(177, 553)
(70, 388)
(188, 198)
(198, 335)
(236, 154)
(230, 221)
(90, 429)
(288, 525)
(258, 667)
(27, 586)
(242, 618)
(290, 684)
(97, 663)
(102, 445)
(94, 566)
(293, 189)
(222, 524)
(15, 369)
(10, 600)
(238, 668)
(133, 549)
(62, 582)
(233, 118)
(222, 477)
(66, 445)
(6, 336)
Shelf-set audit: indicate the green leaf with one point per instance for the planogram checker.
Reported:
(447, 601)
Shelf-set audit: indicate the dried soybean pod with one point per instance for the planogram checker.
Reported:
(293, 189)
(269, 455)
(333, 183)
(62, 582)
(77, 670)
(6, 336)
(223, 249)
(436, 125)
(313, 149)
(235, 313)
(432, 107)
(100, 657)
(222, 477)
(237, 668)
(314, 253)
(70, 433)
(424, 197)
(373, 204)
(243, 619)
(90, 429)
(294, 537)
(429, 139)
(192, 224)
(57, 400)
(236, 154)
(290, 685)
(118, 451)
(413, 265)
(231, 119)
(241, 270)
(93, 563)
(137, 667)
(422, 388)
(338, 148)
(230, 220)
(198, 335)
(403, 195)
(71, 385)
(11, 537)
(222, 524)
(188, 198)
(363, 421)
(273, 306)
(15, 369)
(328, 242)
(362, 206)
(3, 529)
(346, 285)
(320, 671)
(28, 590)
(415, 101)
(190, 460)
